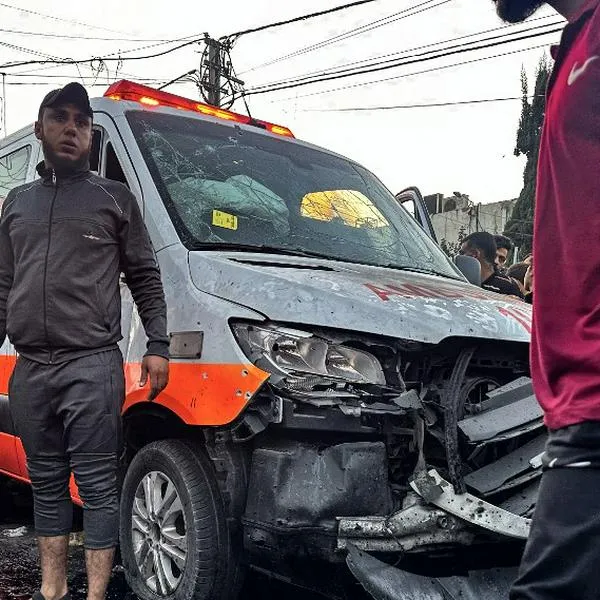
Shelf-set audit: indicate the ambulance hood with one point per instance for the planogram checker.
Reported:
(362, 298)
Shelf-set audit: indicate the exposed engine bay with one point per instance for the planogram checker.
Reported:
(387, 446)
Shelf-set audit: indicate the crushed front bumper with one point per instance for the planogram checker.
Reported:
(434, 514)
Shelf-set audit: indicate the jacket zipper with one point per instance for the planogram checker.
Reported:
(44, 293)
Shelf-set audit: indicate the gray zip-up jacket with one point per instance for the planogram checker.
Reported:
(64, 242)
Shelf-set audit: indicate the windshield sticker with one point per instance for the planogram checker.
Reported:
(224, 220)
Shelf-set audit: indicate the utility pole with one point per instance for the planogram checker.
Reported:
(213, 89)
(218, 84)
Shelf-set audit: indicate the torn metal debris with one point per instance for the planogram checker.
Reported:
(522, 414)
(510, 470)
(439, 492)
(416, 526)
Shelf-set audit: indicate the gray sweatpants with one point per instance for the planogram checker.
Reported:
(68, 417)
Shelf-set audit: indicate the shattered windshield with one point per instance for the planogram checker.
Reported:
(231, 187)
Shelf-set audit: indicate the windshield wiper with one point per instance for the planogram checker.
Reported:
(424, 270)
(258, 248)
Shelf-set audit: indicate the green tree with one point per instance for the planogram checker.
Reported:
(520, 225)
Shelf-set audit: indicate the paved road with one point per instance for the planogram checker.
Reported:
(19, 574)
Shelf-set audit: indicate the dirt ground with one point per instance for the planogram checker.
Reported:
(19, 573)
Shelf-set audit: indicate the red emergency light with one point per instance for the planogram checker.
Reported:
(128, 90)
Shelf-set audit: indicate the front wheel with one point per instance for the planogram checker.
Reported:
(175, 542)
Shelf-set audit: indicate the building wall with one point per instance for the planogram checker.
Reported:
(472, 217)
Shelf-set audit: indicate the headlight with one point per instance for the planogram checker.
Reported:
(303, 360)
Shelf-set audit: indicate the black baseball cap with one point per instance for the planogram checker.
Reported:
(72, 93)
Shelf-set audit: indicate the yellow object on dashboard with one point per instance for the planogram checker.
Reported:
(350, 206)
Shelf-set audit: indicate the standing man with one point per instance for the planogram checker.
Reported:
(563, 552)
(64, 240)
(481, 245)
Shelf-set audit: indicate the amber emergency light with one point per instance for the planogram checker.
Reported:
(128, 90)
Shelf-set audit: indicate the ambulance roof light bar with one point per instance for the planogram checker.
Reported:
(128, 90)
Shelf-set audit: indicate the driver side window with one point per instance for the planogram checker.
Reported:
(103, 158)
(409, 205)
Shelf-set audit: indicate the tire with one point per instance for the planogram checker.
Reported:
(179, 549)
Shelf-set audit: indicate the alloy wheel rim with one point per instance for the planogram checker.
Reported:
(158, 530)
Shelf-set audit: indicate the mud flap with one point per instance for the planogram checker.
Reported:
(384, 582)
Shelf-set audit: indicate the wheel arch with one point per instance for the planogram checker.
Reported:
(147, 422)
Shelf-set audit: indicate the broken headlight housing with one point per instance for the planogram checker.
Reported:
(302, 362)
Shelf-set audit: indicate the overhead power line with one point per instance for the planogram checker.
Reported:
(68, 75)
(55, 18)
(98, 61)
(397, 16)
(184, 78)
(96, 65)
(107, 58)
(377, 60)
(413, 74)
(27, 50)
(404, 106)
(321, 13)
(151, 82)
(120, 53)
(98, 70)
(80, 37)
(415, 60)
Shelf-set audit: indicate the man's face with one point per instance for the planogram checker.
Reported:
(66, 136)
(501, 256)
(516, 11)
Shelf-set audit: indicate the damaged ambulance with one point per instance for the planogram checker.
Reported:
(339, 391)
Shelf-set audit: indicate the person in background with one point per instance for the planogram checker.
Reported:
(517, 273)
(504, 247)
(562, 554)
(482, 246)
(528, 284)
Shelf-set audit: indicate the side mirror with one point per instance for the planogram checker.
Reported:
(470, 268)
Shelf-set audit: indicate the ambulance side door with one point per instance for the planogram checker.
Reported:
(412, 201)
(110, 160)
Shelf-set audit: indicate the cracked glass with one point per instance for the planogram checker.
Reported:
(230, 187)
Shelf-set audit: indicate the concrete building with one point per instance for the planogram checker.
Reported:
(455, 216)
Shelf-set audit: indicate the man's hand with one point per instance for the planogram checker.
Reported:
(157, 368)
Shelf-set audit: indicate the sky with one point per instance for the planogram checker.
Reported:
(466, 148)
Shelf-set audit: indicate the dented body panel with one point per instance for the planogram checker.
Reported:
(362, 298)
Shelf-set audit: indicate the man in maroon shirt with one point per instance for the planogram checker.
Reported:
(562, 557)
